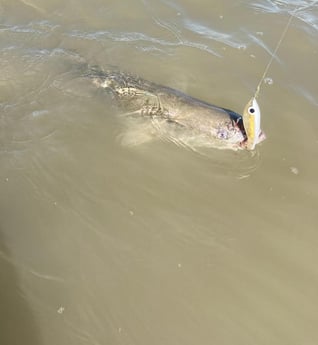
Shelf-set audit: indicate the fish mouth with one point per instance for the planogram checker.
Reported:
(239, 124)
(261, 137)
(243, 143)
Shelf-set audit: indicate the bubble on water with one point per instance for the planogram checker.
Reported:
(294, 170)
(252, 56)
(38, 113)
(268, 81)
(260, 33)
(221, 17)
(61, 310)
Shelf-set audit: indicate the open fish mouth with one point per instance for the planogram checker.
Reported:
(261, 137)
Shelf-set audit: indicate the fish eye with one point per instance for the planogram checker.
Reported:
(251, 110)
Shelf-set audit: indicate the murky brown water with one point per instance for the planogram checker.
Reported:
(155, 244)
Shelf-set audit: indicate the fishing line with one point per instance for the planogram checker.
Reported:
(258, 89)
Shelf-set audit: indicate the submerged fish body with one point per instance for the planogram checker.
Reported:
(220, 127)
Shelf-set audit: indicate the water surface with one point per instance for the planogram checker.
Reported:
(156, 244)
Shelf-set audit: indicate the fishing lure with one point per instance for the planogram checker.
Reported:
(252, 124)
(252, 113)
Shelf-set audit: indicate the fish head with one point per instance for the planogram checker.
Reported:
(252, 124)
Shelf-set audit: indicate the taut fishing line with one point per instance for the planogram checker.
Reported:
(252, 113)
(291, 16)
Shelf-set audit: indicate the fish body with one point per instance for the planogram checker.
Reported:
(221, 127)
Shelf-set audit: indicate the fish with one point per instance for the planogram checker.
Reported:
(173, 112)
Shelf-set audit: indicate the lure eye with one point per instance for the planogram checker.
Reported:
(251, 110)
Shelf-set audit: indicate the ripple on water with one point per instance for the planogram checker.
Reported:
(303, 10)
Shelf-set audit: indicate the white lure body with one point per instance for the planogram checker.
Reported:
(252, 123)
